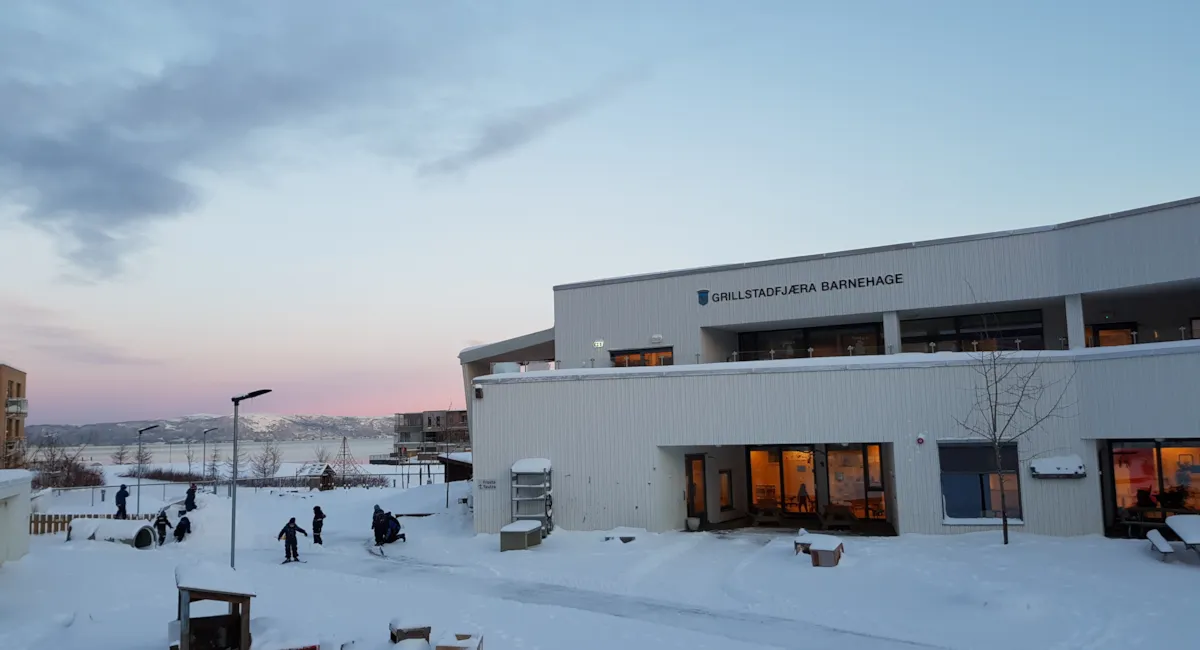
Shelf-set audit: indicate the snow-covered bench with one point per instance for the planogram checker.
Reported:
(1160, 544)
(521, 535)
(1187, 527)
(826, 550)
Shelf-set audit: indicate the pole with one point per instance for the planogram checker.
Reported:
(233, 491)
(204, 455)
(139, 485)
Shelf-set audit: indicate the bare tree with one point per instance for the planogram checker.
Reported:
(1012, 399)
(240, 461)
(189, 454)
(265, 464)
(59, 465)
(322, 455)
(214, 462)
(142, 457)
(121, 455)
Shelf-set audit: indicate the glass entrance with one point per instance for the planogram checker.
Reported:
(799, 480)
(696, 497)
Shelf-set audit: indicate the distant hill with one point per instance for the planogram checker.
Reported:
(253, 426)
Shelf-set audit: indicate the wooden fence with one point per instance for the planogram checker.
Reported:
(44, 524)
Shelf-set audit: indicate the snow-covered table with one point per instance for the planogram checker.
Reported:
(1187, 527)
(520, 535)
(206, 581)
(826, 550)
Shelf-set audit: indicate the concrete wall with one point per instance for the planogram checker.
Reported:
(15, 486)
(1151, 247)
(617, 436)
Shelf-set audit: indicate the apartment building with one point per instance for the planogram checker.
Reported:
(16, 408)
(799, 388)
(428, 433)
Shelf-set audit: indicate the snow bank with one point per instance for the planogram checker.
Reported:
(531, 466)
(1187, 527)
(1069, 466)
(209, 576)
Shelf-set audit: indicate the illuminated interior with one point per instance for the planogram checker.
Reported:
(1154, 475)
(803, 479)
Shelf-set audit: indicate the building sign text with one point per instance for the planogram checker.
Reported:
(863, 282)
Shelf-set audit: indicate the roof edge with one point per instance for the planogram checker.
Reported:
(481, 352)
(658, 275)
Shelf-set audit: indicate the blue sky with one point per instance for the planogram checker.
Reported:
(333, 199)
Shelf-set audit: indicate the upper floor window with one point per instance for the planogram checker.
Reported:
(1196, 328)
(647, 357)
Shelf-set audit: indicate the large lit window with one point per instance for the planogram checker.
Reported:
(638, 358)
(1196, 328)
(971, 481)
(764, 479)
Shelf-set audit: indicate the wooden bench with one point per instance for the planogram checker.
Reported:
(1160, 544)
(521, 535)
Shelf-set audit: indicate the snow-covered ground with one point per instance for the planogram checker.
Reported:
(732, 591)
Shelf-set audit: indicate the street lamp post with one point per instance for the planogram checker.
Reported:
(233, 487)
(204, 456)
(141, 466)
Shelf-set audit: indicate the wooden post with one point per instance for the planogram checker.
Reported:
(185, 614)
(245, 622)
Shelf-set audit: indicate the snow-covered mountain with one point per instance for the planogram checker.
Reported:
(253, 426)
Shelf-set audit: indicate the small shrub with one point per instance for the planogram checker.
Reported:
(66, 474)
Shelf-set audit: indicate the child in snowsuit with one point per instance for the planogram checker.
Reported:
(122, 494)
(393, 528)
(183, 528)
(318, 524)
(189, 503)
(161, 524)
(379, 525)
(288, 534)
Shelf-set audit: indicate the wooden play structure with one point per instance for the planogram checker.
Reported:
(230, 631)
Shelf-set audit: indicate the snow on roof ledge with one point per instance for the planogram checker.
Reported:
(12, 477)
(1069, 466)
(531, 466)
(867, 362)
(206, 576)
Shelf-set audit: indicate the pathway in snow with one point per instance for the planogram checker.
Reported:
(763, 630)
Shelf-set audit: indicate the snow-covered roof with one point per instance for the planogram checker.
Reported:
(1187, 527)
(1069, 465)
(14, 477)
(823, 542)
(865, 362)
(459, 456)
(206, 576)
(531, 466)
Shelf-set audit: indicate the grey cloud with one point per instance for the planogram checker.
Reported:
(43, 330)
(102, 126)
(506, 134)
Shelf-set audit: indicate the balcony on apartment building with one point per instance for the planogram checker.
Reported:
(16, 406)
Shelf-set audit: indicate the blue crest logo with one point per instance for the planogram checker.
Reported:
(703, 296)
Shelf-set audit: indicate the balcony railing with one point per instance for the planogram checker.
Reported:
(809, 353)
(16, 406)
(522, 366)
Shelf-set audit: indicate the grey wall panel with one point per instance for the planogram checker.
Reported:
(608, 434)
(1150, 248)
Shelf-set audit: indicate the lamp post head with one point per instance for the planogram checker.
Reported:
(144, 430)
(252, 394)
(205, 432)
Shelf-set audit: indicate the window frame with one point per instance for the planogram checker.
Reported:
(725, 482)
(982, 474)
(661, 354)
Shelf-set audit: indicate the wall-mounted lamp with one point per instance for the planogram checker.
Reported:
(478, 391)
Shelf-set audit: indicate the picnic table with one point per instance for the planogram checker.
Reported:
(1187, 527)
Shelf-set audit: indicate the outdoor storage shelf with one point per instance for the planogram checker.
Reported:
(532, 494)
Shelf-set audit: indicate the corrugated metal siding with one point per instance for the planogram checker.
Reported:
(1145, 249)
(606, 435)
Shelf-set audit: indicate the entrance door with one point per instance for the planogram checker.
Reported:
(696, 497)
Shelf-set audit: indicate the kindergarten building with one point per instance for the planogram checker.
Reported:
(832, 389)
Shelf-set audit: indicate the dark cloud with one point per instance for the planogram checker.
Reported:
(505, 134)
(106, 112)
(31, 327)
